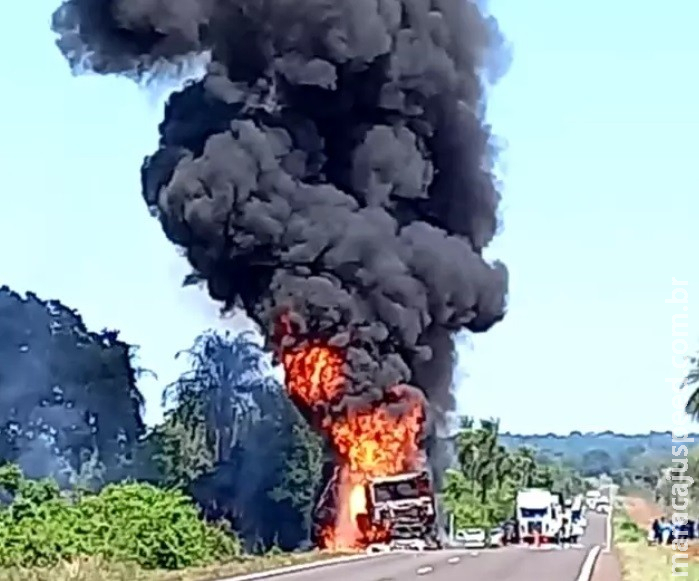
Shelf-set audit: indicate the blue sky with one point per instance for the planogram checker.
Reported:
(599, 112)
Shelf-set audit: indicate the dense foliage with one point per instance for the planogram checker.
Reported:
(235, 442)
(481, 490)
(70, 410)
(155, 528)
(593, 454)
(69, 404)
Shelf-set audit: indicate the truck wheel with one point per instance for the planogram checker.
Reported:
(433, 543)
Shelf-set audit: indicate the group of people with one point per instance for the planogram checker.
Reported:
(663, 532)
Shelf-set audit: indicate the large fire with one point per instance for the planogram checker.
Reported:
(373, 441)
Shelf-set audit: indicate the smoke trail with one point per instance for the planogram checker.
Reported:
(333, 160)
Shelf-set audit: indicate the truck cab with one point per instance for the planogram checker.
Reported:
(591, 498)
(404, 504)
(602, 505)
(539, 513)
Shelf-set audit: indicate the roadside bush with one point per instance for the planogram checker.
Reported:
(130, 522)
(627, 531)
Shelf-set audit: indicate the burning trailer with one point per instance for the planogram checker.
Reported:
(331, 172)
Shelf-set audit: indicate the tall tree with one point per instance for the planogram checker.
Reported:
(524, 466)
(234, 439)
(301, 471)
(228, 388)
(68, 396)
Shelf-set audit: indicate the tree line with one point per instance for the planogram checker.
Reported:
(70, 409)
(481, 489)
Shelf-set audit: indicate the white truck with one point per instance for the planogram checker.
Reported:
(602, 505)
(539, 512)
(591, 498)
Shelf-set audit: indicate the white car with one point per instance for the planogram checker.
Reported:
(472, 538)
(496, 537)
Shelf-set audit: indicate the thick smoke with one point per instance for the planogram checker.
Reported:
(334, 161)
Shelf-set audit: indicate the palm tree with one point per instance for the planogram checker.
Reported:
(228, 389)
(487, 441)
(503, 465)
(479, 455)
(467, 454)
(524, 463)
(692, 380)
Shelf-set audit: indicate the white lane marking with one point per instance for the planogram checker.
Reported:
(453, 560)
(474, 553)
(589, 564)
(425, 570)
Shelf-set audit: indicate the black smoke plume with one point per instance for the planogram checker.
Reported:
(334, 159)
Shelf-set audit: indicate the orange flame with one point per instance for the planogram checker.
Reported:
(369, 442)
(313, 374)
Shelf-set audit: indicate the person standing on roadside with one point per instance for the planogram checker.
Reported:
(666, 531)
(652, 532)
(657, 532)
(566, 533)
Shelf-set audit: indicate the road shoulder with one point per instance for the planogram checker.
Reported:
(608, 567)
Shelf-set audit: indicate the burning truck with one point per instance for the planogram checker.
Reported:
(404, 505)
(331, 173)
(398, 511)
(379, 490)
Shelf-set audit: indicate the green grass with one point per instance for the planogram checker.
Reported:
(626, 530)
(640, 562)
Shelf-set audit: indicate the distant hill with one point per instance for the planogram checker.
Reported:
(580, 448)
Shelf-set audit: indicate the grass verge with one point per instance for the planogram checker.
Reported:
(639, 562)
(626, 530)
(94, 569)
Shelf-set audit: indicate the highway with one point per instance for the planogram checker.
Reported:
(516, 563)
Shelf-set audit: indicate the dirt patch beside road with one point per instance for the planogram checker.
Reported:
(642, 511)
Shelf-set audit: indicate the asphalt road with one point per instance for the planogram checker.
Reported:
(517, 563)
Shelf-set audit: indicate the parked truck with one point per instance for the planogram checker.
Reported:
(591, 498)
(539, 515)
